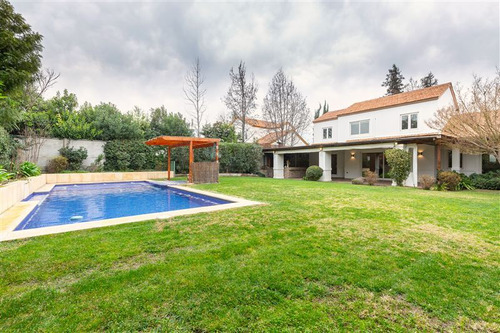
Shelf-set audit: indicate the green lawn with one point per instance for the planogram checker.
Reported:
(317, 257)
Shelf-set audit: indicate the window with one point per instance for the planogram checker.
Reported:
(360, 127)
(409, 121)
(327, 133)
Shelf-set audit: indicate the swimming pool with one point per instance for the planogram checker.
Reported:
(79, 203)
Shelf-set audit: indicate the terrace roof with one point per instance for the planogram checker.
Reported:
(180, 141)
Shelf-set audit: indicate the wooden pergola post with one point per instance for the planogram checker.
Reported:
(168, 167)
(216, 152)
(191, 160)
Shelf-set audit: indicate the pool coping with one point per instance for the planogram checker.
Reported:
(236, 202)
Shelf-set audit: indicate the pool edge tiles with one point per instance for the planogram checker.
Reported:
(234, 202)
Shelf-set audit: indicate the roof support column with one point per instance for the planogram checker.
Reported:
(455, 159)
(325, 163)
(278, 164)
(168, 163)
(191, 160)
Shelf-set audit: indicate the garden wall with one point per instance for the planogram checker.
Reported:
(50, 149)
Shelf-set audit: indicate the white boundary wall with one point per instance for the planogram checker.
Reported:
(50, 149)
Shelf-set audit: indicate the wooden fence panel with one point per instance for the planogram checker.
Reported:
(205, 172)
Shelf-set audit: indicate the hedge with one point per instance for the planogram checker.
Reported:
(122, 155)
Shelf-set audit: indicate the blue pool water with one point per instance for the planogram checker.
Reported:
(78, 203)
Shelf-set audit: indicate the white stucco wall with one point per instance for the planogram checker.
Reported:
(384, 122)
(50, 149)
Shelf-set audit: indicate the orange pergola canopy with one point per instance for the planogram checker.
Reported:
(181, 141)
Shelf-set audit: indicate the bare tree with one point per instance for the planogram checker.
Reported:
(285, 106)
(412, 85)
(195, 93)
(241, 97)
(33, 90)
(474, 124)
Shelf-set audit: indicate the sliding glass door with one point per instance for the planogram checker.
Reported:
(375, 162)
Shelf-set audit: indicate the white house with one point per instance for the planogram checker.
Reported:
(350, 141)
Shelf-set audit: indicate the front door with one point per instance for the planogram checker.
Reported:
(375, 162)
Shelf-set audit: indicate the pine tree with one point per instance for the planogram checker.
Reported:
(394, 81)
(326, 107)
(428, 81)
(316, 114)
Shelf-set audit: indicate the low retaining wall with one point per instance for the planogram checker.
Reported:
(12, 193)
(61, 178)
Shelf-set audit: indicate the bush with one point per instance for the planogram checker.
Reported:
(75, 156)
(7, 148)
(371, 177)
(5, 176)
(97, 165)
(28, 169)
(313, 173)
(449, 180)
(400, 163)
(427, 181)
(487, 181)
(358, 181)
(57, 164)
(123, 155)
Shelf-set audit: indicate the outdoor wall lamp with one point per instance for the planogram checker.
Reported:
(420, 154)
(353, 156)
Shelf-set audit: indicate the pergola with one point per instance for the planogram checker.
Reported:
(182, 141)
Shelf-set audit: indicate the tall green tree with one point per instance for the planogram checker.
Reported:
(168, 123)
(20, 49)
(220, 130)
(428, 81)
(394, 81)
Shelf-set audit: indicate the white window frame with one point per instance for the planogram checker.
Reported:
(327, 132)
(409, 115)
(358, 122)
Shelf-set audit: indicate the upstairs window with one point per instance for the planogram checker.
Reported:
(409, 120)
(327, 133)
(360, 127)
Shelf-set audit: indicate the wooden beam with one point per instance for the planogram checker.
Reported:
(191, 160)
(168, 167)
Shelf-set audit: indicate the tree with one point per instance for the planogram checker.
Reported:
(394, 81)
(473, 125)
(20, 49)
(241, 97)
(326, 108)
(428, 81)
(165, 123)
(285, 106)
(317, 113)
(195, 93)
(412, 85)
(223, 131)
(399, 161)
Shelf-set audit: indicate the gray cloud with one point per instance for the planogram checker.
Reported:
(138, 53)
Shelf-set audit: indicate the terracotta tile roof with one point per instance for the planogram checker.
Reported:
(261, 123)
(409, 97)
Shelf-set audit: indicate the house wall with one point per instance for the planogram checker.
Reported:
(352, 166)
(384, 122)
(427, 162)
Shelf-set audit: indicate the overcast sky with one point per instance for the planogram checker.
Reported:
(137, 54)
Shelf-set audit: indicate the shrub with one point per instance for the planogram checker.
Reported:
(465, 183)
(400, 163)
(28, 169)
(57, 164)
(358, 181)
(371, 177)
(313, 173)
(7, 148)
(122, 155)
(487, 181)
(427, 181)
(449, 179)
(5, 176)
(75, 156)
(97, 165)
